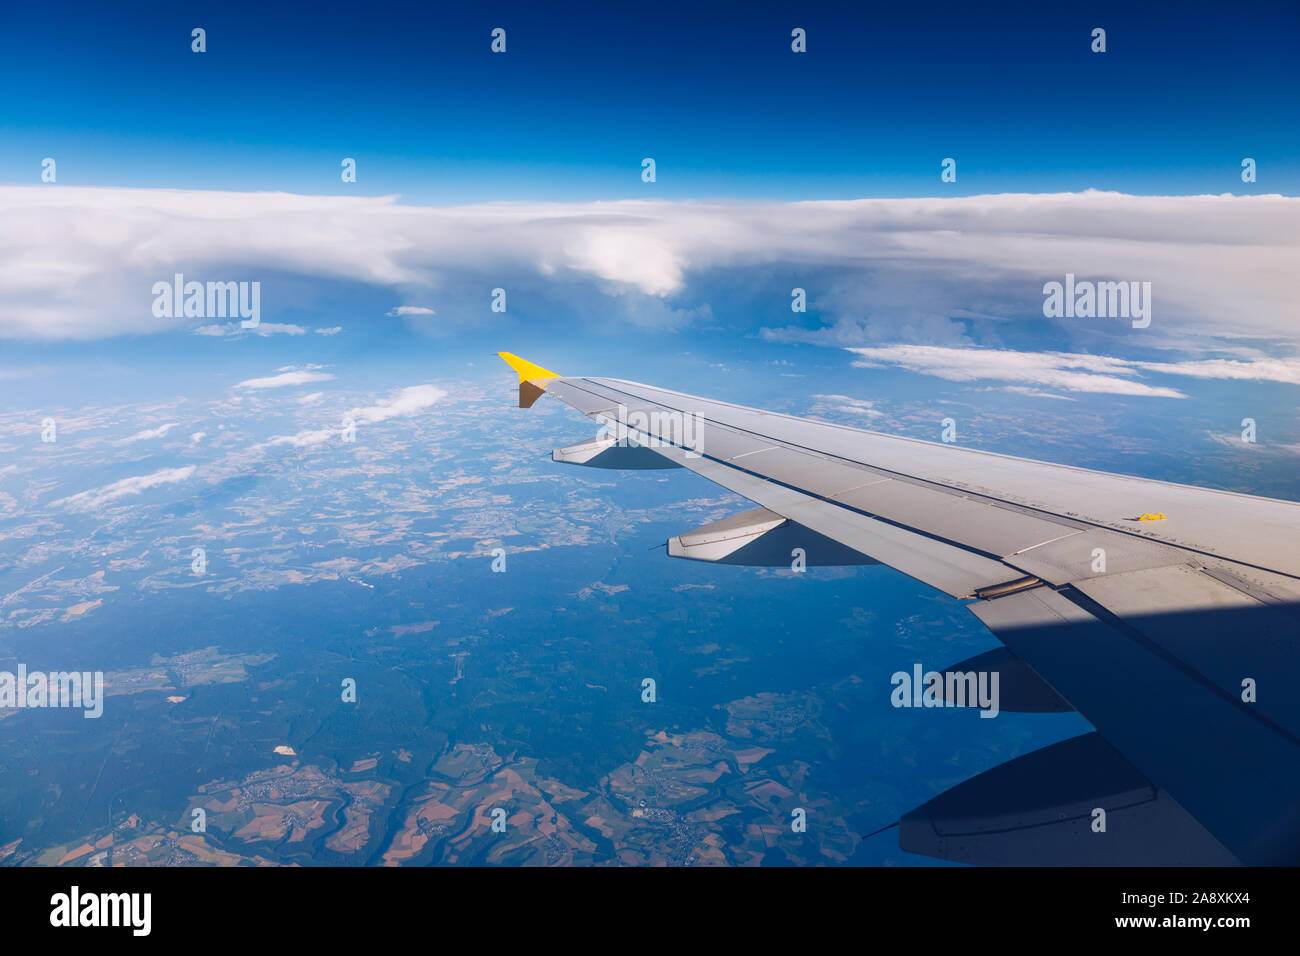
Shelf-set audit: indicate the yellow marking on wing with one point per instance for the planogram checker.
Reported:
(532, 378)
(528, 371)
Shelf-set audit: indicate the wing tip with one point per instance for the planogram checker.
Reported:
(532, 378)
(527, 371)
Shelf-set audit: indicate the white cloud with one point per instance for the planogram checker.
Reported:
(73, 258)
(262, 328)
(332, 330)
(1072, 372)
(1034, 393)
(408, 401)
(846, 403)
(298, 377)
(1234, 442)
(311, 399)
(158, 432)
(315, 436)
(1255, 370)
(198, 437)
(410, 310)
(96, 498)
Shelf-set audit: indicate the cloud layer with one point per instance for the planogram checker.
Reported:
(96, 498)
(407, 401)
(80, 262)
(286, 378)
(1068, 371)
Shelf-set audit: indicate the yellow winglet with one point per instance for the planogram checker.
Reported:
(532, 378)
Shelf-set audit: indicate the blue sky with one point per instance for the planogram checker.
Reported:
(884, 93)
(165, 159)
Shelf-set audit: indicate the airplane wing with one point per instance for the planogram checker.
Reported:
(1166, 615)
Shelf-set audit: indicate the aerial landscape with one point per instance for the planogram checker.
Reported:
(310, 588)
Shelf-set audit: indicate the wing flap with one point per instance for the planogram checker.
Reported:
(1094, 552)
(1245, 647)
